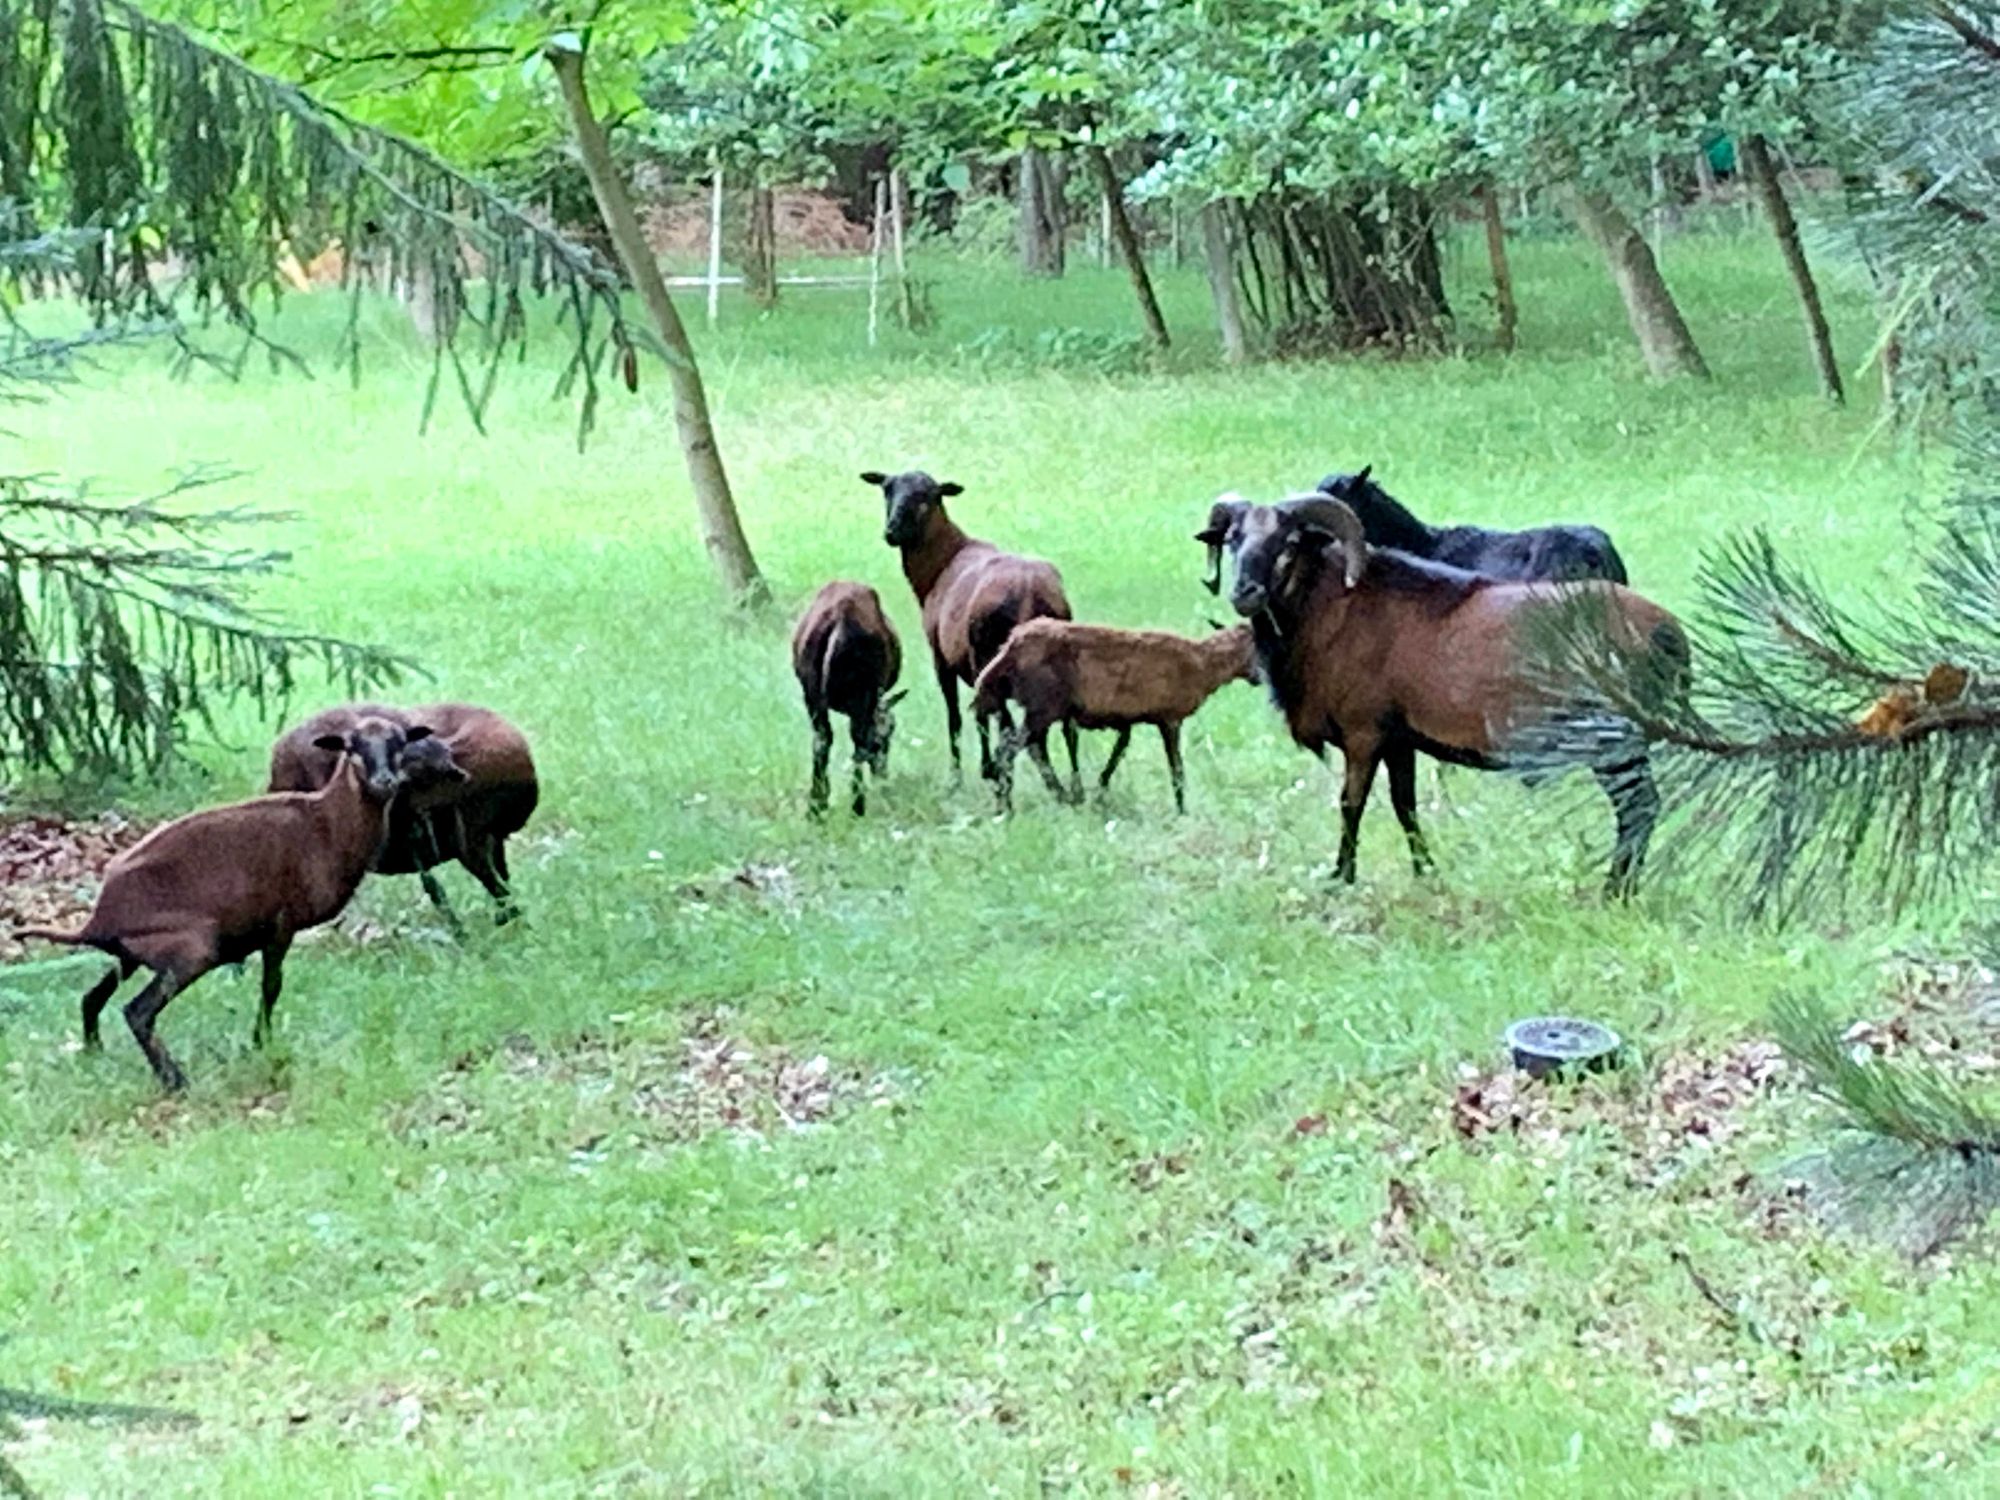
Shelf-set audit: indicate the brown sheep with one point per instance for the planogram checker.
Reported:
(468, 819)
(847, 657)
(1097, 677)
(973, 595)
(1380, 655)
(217, 886)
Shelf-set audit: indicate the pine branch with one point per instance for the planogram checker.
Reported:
(1917, 1159)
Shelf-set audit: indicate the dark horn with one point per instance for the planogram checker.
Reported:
(1338, 520)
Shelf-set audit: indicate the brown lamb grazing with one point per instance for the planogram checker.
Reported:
(1097, 677)
(217, 886)
(847, 657)
(468, 818)
(973, 596)
(1380, 654)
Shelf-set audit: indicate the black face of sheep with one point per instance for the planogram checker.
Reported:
(909, 500)
(1278, 551)
(379, 748)
(427, 763)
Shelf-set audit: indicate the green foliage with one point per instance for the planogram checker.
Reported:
(120, 623)
(1918, 1161)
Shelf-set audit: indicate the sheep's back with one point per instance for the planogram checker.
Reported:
(982, 598)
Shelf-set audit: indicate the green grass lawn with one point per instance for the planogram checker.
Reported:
(1133, 1165)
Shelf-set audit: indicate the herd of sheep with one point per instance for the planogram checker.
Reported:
(1375, 634)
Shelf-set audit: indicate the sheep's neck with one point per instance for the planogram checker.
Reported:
(1224, 658)
(924, 563)
(353, 824)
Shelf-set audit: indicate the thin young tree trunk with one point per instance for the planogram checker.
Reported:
(722, 530)
(1504, 307)
(1656, 320)
(1041, 214)
(714, 246)
(1704, 175)
(875, 260)
(760, 261)
(899, 219)
(1222, 283)
(1120, 225)
(1770, 192)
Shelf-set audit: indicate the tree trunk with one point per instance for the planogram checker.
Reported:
(1504, 308)
(1041, 196)
(1704, 176)
(1128, 246)
(1770, 191)
(1222, 282)
(1656, 320)
(721, 530)
(760, 260)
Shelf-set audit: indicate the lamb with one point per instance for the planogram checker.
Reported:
(847, 657)
(216, 886)
(973, 596)
(1097, 677)
(1381, 654)
(1563, 552)
(468, 818)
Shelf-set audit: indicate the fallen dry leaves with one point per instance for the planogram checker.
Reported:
(1687, 1100)
(711, 1081)
(51, 868)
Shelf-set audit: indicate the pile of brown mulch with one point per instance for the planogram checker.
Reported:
(51, 868)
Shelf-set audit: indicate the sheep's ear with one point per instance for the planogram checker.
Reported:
(874, 476)
(1362, 478)
(417, 732)
(950, 488)
(333, 744)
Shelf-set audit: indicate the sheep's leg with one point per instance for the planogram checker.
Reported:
(1036, 733)
(1362, 758)
(1170, 737)
(97, 997)
(1075, 771)
(816, 799)
(1003, 777)
(953, 723)
(1401, 762)
(143, 1012)
(483, 861)
(274, 981)
(988, 768)
(426, 831)
(860, 725)
(1636, 801)
(1117, 754)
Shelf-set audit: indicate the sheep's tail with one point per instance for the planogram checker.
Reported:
(996, 683)
(57, 935)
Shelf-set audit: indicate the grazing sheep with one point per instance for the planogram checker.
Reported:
(1381, 654)
(847, 657)
(973, 596)
(468, 818)
(1096, 677)
(217, 886)
(1563, 552)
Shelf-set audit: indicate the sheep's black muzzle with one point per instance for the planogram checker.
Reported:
(1248, 598)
